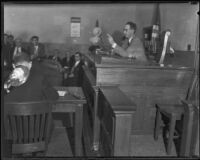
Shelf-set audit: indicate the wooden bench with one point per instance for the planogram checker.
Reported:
(115, 112)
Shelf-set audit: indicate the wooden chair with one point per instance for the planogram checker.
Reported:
(173, 113)
(28, 126)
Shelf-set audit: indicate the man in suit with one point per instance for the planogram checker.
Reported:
(132, 47)
(8, 50)
(75, 76)
(36, 49)
(28, 84)
(18, 48)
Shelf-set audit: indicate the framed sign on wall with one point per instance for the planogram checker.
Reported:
(75, 26)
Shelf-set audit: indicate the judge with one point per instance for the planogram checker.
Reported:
(132, 46)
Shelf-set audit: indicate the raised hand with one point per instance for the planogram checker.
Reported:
(110, 39)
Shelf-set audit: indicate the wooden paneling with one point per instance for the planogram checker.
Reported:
(115, 111)
(146, 86)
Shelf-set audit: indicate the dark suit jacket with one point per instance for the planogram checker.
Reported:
(78, 76)
(36, 88)
(8, 51)
(22, 49)
(69, 63)
(41, 50)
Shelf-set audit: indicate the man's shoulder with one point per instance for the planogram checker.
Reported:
(136, 39)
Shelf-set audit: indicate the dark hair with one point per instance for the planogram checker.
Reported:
(23, 57)
(79, 53)
(34, 37)
(10, 36)
(132, 25)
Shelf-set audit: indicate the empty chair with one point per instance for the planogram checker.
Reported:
(28, 126)
(189, 123)
(173, 113)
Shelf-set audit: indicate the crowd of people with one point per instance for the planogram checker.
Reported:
(28, 70)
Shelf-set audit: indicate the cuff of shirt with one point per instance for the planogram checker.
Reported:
(114, 45)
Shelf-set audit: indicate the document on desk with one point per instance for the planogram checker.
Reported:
(71, 91)
(62, 93)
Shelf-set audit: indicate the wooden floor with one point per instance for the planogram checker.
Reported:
(59, 145)
(145, 145)
(62, 145)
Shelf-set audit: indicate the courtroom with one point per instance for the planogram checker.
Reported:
(99, 80)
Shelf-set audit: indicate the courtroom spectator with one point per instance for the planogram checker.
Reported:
(75, 76)
(132, 46)
(4, 50)
(68, 60)
(28, 83)
(18, 48)
(5, 58)
(36, 49)
(5, 39)
(8, 51)
(56, 57)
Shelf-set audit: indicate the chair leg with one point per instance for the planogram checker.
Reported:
(157, 124)
(171, 134)
(71, 119)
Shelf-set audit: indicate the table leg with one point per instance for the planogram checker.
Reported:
(78, 130)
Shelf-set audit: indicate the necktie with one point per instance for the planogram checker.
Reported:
(129, 42)
(35, 50)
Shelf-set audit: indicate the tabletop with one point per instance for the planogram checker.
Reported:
(73, 95)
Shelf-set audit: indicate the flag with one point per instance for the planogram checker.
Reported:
(156, 29)
(97, 23)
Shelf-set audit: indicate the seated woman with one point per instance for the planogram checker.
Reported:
(75, 75)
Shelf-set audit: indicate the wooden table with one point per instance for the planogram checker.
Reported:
(72, 102)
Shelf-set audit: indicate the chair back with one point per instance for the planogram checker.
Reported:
(27, 125)
(164, 47)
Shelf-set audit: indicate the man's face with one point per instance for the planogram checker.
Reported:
(77, 57)
(5, 39)
(35, 41)
(11, 40)
(128, 32)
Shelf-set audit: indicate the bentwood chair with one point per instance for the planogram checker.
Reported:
(28, 125)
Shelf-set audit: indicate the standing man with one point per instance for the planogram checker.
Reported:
(36, 49)
(10, 46)
(18, 48)
(132, 46)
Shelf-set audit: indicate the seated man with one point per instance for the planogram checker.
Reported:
(56, 59)
(68, 60)
(27, 83)
(132, 47)
(75, 76)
